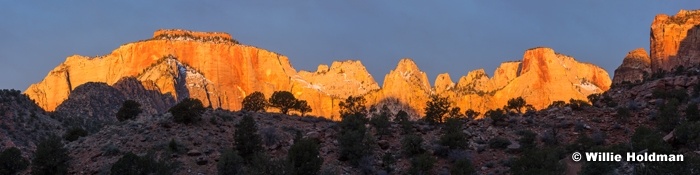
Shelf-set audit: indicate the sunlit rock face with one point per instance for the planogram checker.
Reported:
(215, 68)
(675, 40)
(634, 67)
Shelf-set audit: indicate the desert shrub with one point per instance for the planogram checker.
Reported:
(496, 116)
(471, 114)
(74, 133)
(547, 162)
(381, 121)
(11, 161)
(516, 104)
(578, 104)
(110, 150)
(582, 144)
(527, 139)
(388, 162)
(436, 109)
(262, 164)
(422, 164)
(401, 116)
(230, 163)
(246, 137)
(680, 94)
(622, 114)
(303, 157)
(668, 117)
(645, 138)
(499, 143)
(551, 137)
(412, 144)
(270, 136)
(691, 112)
(129, 110)
(600, 167)
(452, 136)
(131, 164)
(283, 100)
(688, 134)
(187, 111)
(255, 102)
(462, 166)
(593, 97)
(50, 157)
(558, 104)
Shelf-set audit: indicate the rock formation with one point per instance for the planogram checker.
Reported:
(675, 40)
(216, 69)
(635, 65)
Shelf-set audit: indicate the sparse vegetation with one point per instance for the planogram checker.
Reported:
(412, 145)
(668, 115)
(547, 162)
(131, 164)
(422, 164)
(381, 122)
(302, 107)
(129, 110)
(353, 106)
(187, 111)
(255, 102)
(230, 163)
(471, 114)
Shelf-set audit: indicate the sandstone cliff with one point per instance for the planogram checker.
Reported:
(216, 69)
(675, 40)
(635, 65)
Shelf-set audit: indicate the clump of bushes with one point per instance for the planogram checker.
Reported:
(74, 133)
(129, 110)
(187, 111)
(11, 161)
(131, 164)
(499, 143)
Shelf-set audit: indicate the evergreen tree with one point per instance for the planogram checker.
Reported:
(247, 140)
(255, 102)
(436, 109)
(304, 158)
(51, 158)
(283, 100)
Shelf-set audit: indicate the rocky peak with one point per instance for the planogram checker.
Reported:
(443, 82)
(342, 79)
(180, 34)
(408, 71)
(633, 68)
(675, 40)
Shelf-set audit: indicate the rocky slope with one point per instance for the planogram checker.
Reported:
(675, 40)
(22, 123)
(219, 71)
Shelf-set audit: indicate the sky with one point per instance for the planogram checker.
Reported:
(453, 36)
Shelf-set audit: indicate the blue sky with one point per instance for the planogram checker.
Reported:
(440, 36)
